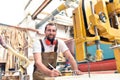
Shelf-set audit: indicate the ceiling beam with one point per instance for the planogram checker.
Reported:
(42, 6)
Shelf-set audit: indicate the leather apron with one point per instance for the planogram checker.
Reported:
(50, 58)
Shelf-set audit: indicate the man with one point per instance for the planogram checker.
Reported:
(45, 54)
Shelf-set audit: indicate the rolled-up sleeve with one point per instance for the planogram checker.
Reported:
(63, 47)
(36, 46)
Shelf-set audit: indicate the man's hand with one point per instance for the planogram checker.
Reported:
(54, 73)
(77, 72)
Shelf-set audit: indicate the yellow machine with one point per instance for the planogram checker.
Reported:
(95, 22)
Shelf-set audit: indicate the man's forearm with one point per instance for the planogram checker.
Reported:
(74, 64)
(43, 68)
(71, 59)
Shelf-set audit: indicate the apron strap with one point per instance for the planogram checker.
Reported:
(56, 46)
(42, 47)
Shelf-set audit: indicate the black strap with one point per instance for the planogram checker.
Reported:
(56, 46)
(43, 49)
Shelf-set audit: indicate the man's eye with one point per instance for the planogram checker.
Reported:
(48, 30)
(51, 30)
(54, 30)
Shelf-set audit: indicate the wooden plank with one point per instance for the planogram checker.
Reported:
(10, 78)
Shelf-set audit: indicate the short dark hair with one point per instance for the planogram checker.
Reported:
(49, 24)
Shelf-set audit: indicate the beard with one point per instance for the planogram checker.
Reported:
(51, 39)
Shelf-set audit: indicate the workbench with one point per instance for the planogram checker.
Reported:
(115, 76)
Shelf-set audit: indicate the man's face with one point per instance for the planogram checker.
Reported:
(50, 32)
